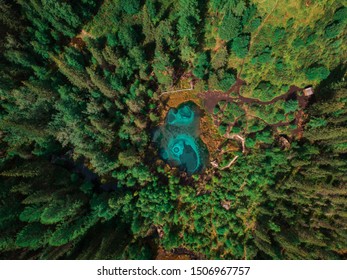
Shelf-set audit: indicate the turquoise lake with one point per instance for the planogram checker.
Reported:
(178, 139)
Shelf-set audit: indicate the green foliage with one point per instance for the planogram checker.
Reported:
(58, 211)
(240, 45)
(81, 86)
(341, 14)
(32, 236)
(128, 158)
(188, 19)
(201, 65)
(230, 27)
(334, 29)
(317, 73)
(131, 7)
(227, 80)
(70, 231)
(290, 106)
(219, 59)
(316, 123)
(127, 36)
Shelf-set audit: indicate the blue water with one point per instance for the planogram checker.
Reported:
(178, 139)
(183, 116)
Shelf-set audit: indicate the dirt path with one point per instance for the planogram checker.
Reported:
(78, 41)
(284, 96)
(300, 117)
(173, 91)
(211, 98)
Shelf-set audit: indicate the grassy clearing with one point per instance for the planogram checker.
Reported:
(302, 44)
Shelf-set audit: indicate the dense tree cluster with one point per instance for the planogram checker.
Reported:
(80, 85)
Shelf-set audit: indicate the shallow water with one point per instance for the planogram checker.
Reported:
(178, 139)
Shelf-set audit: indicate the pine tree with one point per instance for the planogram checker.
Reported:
(79, 79)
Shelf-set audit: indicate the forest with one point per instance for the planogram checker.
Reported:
(85, 84)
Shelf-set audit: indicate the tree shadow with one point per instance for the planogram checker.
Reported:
(336, 76)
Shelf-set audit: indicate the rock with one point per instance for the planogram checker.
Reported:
(226, 204)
